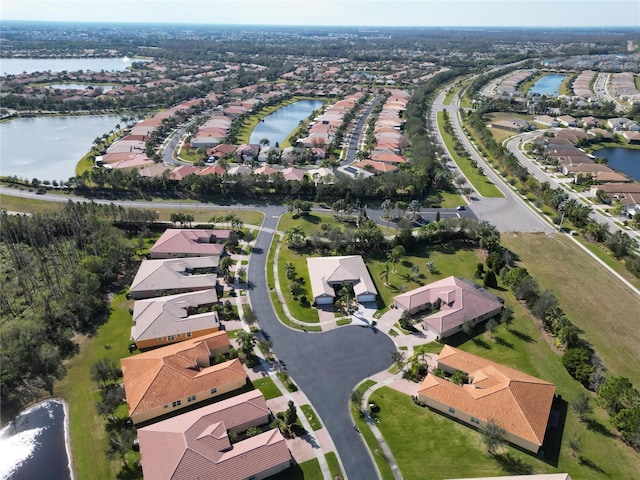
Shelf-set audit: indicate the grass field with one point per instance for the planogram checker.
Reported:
(481, 183)
(28, 205)
(88, 439)
(304, 313)
(593, 299)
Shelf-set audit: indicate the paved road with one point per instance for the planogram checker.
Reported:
(325, 366)
(357, 131)
(509, 214)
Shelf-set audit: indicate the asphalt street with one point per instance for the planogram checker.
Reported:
(326, 366)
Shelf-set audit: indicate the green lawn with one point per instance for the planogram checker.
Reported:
(311, 417)
(447, 259)
(593, 299)
(308, 223)
(306, 312)
(480, 182)
(268, 388)
(309, 470)
(28, 205)
(334, 465)
(87, 429)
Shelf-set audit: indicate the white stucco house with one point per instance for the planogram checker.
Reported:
(329, 274)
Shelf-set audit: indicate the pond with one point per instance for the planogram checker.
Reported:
(548, 85)
(49, 148)
(624, 160)
(35, 444)
(279, 125)
(14, 66)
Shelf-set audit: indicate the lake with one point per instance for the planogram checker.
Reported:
(14, 66)
(49, 148)
(34, 446)
(548, 85)
(624, 160)
(80, 86)
(279, 125)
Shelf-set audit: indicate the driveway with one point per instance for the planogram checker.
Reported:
(326, 366)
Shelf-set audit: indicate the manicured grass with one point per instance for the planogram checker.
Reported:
(271, 284)
(308, 223)
(28, 205)
(480, 182)
(309, 470)
(311, 417)
(233, 333)
(268, 388)
(202, 215)
(366, 385)
(447, 259)
(334, 465)
(87, 428)
(304, 313)
(593, 299)
(604, 255)
(343, 321)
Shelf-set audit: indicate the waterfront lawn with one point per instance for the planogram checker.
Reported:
(87, 428)
(594, 300)
(481, 183)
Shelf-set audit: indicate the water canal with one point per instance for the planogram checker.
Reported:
(278, 125)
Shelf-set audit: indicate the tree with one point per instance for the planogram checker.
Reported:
(575, 445)
(491, 326)
(620, 244)
(578, 364)
(394, 255)
(493, 436)
(356, 397)
(397, 358)
(294, 237)
(120, 443)
(617, 393)
(581, 406)
(295, 287)
(105, 371)
(290, 270)
(250, 317)
(488, 236)
(385, 273)
(246, 340)
(345, 297)
(224, 267)
(459, 377)
(490, 280)
(467, 328)
(506, 317)
(291, 416)
(111, 399)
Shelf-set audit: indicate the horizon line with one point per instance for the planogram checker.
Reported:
(291, 25)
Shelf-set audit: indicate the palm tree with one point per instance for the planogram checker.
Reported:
(290, 270)
(345, 297)
(247, 341)
(294, 237)
(394, 255)
(385, 274)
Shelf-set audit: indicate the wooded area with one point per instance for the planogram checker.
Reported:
(57, 272)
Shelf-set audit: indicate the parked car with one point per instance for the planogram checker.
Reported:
(461, 207)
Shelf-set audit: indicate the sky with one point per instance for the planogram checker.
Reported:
(440, 13)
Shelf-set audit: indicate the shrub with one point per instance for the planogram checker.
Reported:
(490, 279)
(577, 361)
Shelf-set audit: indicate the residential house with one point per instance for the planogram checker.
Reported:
(632, 136)
(170, 319)
(329, 274)
(177, 275)
(513, 125)
(567, 121)
(452, 301)
(546, 120)
(517, 402)
(186, 242)
(167, 379)
(196, 444)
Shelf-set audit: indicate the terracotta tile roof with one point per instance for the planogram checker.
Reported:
(516, 401)
(381, 167)
(196, 445)
(461, 301)
(157, 377)
(190, 242)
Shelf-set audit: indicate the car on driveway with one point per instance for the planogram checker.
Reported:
(461, 207)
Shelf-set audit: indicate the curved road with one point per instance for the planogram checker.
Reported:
(326, 366)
